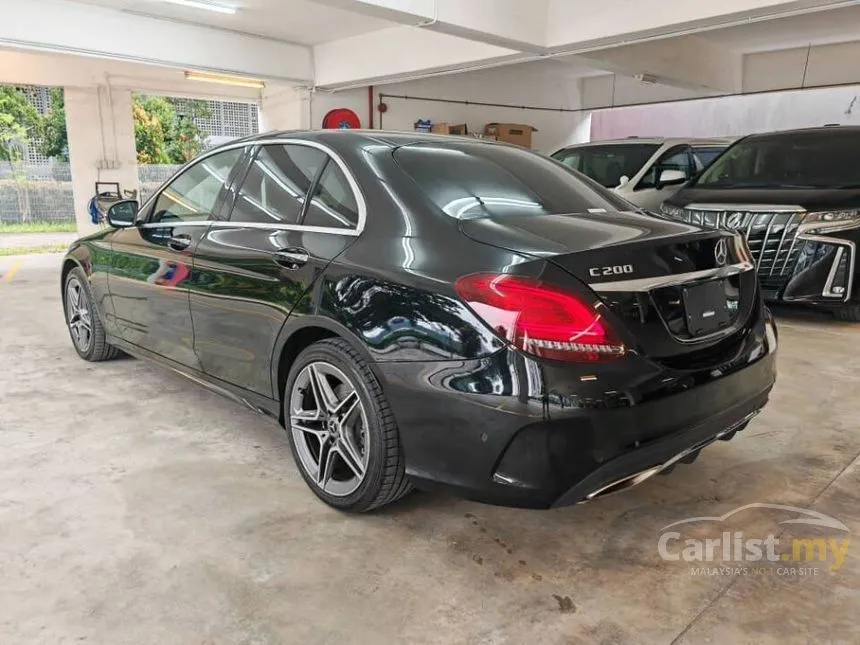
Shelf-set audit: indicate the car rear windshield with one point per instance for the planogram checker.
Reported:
(829, 159)
(608, 164)
(468, 181)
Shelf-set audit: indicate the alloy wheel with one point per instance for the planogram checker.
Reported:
(78, 315)
(329, 427)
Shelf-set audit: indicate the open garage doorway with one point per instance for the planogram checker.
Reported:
(35, 176)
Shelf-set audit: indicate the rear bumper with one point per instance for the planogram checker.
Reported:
(507, 430)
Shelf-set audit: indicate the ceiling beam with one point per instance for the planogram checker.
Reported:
(402, 53)
(69, 27)
(511, 24)
(688, 62)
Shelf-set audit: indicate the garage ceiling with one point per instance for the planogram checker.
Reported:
(825, 27)
(296, 21)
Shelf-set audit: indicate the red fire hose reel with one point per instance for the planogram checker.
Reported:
(341, 119)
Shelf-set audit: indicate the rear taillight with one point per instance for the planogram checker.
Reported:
(540, 318)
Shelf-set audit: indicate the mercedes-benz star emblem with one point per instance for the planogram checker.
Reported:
(721, 252)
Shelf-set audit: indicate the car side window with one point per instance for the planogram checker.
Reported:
(334, 203)
(678, 158)
(277, 184)
(194, 194)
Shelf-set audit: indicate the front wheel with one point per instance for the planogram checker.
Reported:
(849, 314)
(342, 433)
(82, 319)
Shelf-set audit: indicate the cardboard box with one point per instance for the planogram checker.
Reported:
(516, 133)
(448, 128)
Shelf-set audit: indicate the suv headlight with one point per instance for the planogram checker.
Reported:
(675, 212)
(830, 221)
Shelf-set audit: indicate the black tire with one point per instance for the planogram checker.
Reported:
(850, 313)
(384, 479)
(96, 348)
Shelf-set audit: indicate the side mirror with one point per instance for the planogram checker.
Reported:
(671, 177)
(123, 214)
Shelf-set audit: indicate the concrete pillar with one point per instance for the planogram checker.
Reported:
(101, 144)
(285, 108)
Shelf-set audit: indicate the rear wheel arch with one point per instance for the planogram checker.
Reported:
(295, 338)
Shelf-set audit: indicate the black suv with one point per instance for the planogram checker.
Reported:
(796, 197)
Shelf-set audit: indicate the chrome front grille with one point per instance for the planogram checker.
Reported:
(771, 236)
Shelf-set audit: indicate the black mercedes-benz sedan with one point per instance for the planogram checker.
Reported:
(795, 196)
(433, 311)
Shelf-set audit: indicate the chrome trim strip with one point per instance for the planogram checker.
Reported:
(752, 208)
(151, 225)
(763, 250)
(852, 261)
(831, 277)
(657, 282)
(781, 243)
(359, 196)
(349, 232)
(790, 250)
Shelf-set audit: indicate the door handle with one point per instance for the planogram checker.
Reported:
(292, 258)
(179, 242)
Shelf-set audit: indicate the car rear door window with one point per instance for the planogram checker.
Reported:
(194, 194)
(334, 204)
(277, 184)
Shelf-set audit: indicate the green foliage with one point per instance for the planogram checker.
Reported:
(38, 227)
(165, 129)
(19, 121)
(187, 140)
(154, 117)
(55, 138)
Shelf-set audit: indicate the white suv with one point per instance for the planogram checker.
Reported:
(643, 171)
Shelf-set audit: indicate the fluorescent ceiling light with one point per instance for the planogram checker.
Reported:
(205, 5)
(224, 79)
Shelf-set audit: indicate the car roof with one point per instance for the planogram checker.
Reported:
(358, 137)
(841, 130)
(712, 141)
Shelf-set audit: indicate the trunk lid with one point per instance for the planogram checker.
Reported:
(676, 289)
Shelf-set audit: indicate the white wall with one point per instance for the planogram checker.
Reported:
(544, 84)
(735, 115)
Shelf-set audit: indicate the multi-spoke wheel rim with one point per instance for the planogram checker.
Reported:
(329, 427)
(79, 315)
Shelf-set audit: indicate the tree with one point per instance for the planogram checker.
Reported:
(55, 138)
(166, 131)
(19, 121)
(188, 141)
(153, 119)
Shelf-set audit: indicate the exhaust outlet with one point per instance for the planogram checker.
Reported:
(624, 483)
(687, 456)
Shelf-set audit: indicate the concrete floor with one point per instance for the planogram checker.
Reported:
(139, 508)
